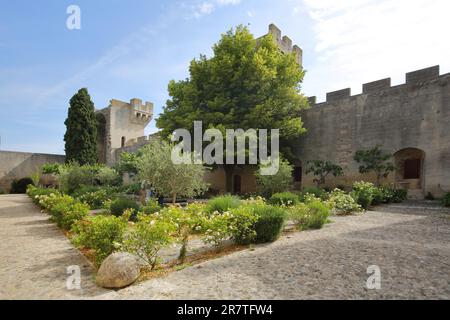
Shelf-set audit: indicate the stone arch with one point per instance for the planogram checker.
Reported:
(297, 175)
(409, 169)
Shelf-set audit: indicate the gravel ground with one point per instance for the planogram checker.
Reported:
(410, 245)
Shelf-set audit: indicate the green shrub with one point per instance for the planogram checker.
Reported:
(73, 176)
(96, 199)
(446, 200)
(74, 213)
(101, 233)
(316, 192)
(20, 186)
(284, 199)
(270, 223)
(319, 212)
(309, 216)
(119, 206)
(216, 226)
(222, 204)
(35, 193)
(242, 224)
(342, 203)
(152, 206)
(51, 168)
(363, 193)
(299, 214)
(148, 237)
(399, 195)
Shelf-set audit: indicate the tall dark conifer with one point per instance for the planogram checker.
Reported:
(81, 133)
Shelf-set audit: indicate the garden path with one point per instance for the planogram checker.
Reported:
(35, 254)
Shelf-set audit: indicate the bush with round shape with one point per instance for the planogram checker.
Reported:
(119, 206)
(342, 203)
(222, 204)
(363, 193)
(101, 233)
(20, 186)
(284, 199)
(309, 216)
(242, 224)
(270, 223)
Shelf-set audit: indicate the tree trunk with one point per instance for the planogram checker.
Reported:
(174, 198)
(229, 170)
(378, 179)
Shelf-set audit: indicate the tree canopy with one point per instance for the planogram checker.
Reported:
(157, 170)
(247, 83)
(81, 134)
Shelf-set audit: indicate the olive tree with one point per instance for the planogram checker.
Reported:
(157, 170)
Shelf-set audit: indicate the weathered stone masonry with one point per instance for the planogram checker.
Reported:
(412, 118)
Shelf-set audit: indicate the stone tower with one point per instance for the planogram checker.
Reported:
(122, 123)
(284, 43)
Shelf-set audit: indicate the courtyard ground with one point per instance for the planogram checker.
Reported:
(409, 243)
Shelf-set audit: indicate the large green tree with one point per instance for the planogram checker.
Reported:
(245, 84)
(81, 133)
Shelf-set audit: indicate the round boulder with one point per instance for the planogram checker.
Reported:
(119, 270)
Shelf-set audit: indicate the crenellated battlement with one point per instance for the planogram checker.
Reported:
(285, 44)
(417, 77)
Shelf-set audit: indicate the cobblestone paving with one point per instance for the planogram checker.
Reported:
(412, 251)
(34, 255)
(411, 247)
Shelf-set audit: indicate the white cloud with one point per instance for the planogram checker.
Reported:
(208, 7)
(365, 40)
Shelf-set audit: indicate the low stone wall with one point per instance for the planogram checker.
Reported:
(17, 165)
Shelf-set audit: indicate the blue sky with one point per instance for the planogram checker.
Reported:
(133, 48)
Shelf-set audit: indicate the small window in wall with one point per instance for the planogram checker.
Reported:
(123, 142)
(297, 174)
(412, 169)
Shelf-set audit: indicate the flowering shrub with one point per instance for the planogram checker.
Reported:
(310, 216)
(284, 199)
(184, 221)
(147, 237)
(216, 228)
(242, 224)
(104, 234)
(342, 203)
(363, 193)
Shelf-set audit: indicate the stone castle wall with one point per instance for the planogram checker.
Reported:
(412, 115)
(17, 165)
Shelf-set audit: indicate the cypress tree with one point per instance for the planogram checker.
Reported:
(81, 134)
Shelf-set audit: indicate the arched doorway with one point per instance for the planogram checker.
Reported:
(409, 169)
(237, 184)
(297, 175)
